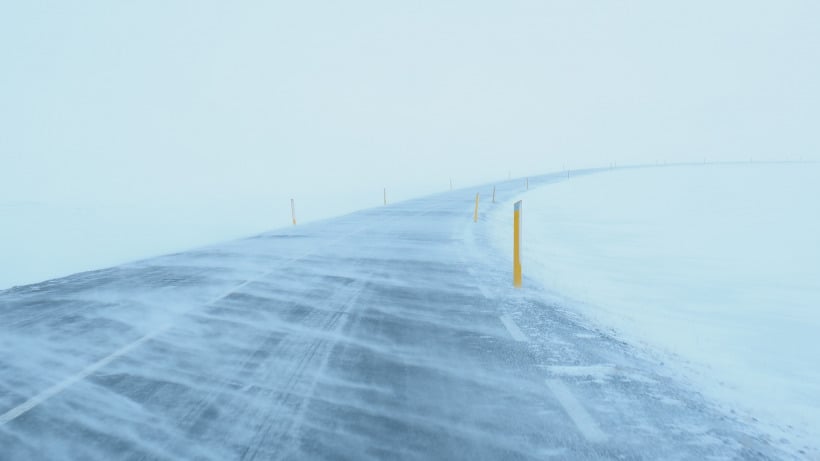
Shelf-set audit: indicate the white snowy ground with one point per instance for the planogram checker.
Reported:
(713, 269)
(40, 241)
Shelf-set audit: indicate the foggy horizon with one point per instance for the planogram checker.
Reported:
(189, 102)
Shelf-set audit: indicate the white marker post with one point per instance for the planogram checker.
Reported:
(293, 211)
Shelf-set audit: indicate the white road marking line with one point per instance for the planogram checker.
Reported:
(512, 328)
(59, 387)
(576, 412)
(24, 407)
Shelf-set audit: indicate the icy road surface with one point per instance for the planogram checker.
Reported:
(392, 333)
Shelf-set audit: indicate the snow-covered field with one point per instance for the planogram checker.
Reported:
(41, 241)
(714, 269)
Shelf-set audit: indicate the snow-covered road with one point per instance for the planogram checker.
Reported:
(391, 333)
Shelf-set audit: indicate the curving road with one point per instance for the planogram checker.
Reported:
(392, 333)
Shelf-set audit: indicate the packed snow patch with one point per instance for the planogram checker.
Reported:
(714, 267)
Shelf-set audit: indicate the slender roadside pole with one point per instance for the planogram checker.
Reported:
(475, 213)
(517, 211)
(293, 211)
(493, 194)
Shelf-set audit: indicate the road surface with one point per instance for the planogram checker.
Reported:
(391, 333)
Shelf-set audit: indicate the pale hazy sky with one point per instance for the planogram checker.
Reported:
(190, 100)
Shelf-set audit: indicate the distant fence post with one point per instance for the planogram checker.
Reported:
(517, 211)
(475, 214)
(293, 211)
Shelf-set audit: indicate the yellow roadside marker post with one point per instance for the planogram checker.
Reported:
(517, 211)
(293, 212)
(475, 214)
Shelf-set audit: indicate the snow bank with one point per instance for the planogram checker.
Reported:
(716, 268)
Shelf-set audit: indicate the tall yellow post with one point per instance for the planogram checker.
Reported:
(293, 211)
(517, 211)
(475, 214)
